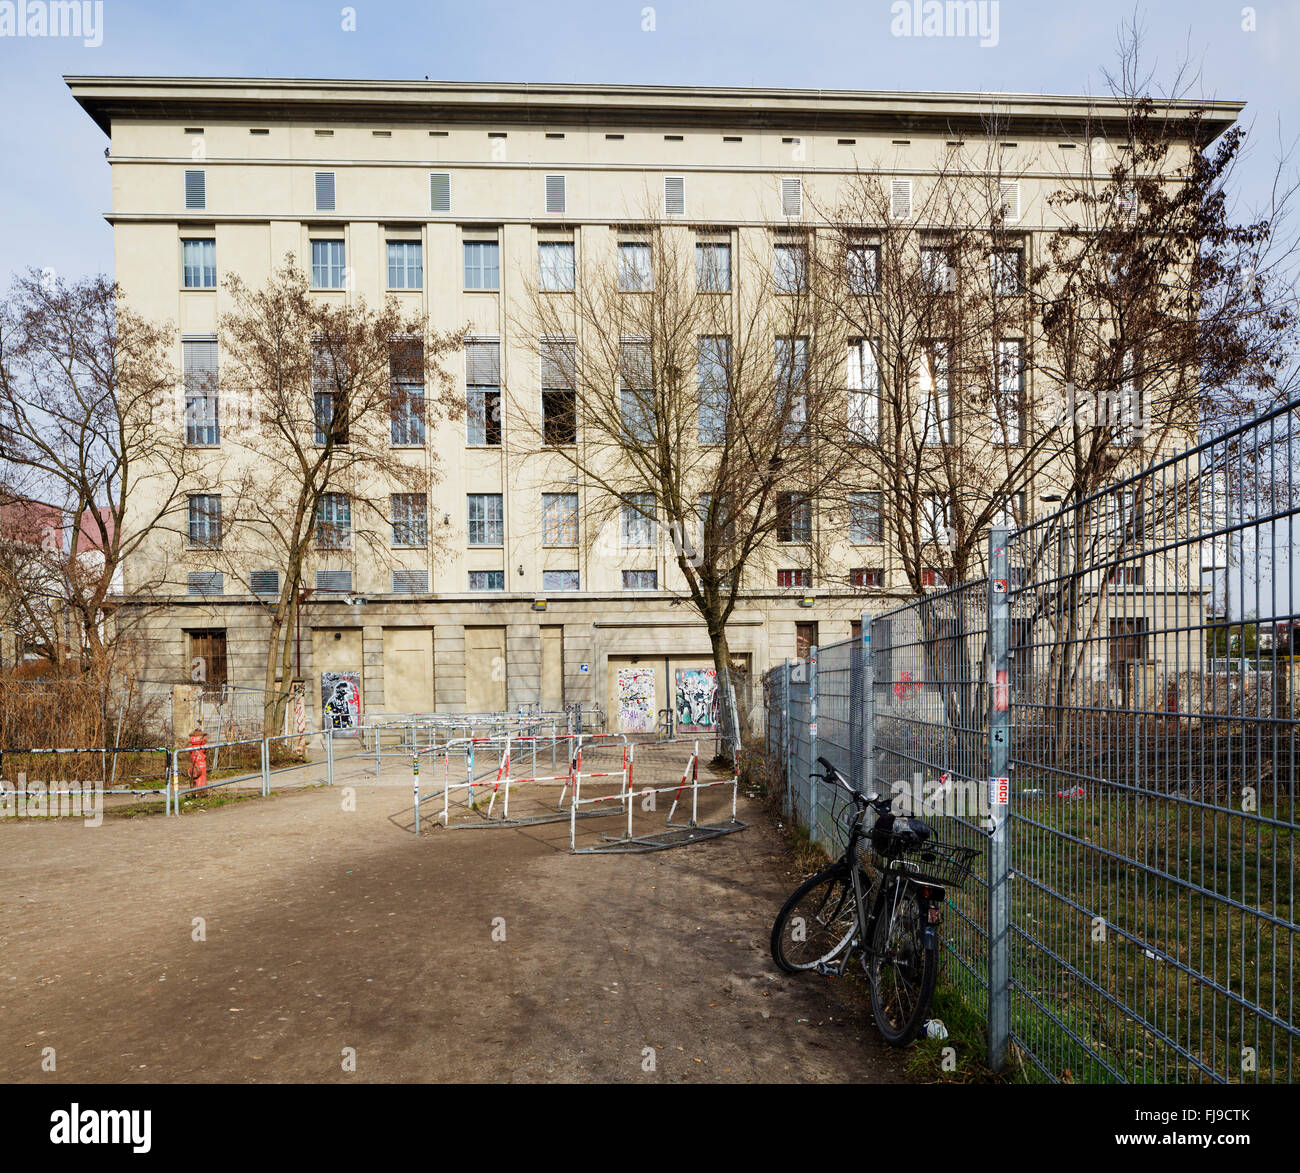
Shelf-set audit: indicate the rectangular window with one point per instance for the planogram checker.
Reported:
(640, 580)
(483, 393)
(487, 525)
(864, 518)
(713, 268)
(482, 265)
(208, 653)
(327, 264)
(334, 522)
(406, 373)
(560, 580)
(487, 580)
(555, 266)
(793, 517)
(864, 393)
(555, 194)
(932, 576)
(862, 268)
(199, 264)
(405, 264)
(410, 519)
(1008, 405)
(639, 519)
(559, 519)
(805, 639)
(935, 520)
(635, 270)
(794, 578)
(204, 521)
(938, 272)
(674, 195)
(790, 268)
(791, 196)
(328, 399)
(866, 578)
(636, 390)
(202, 415)
(714, 389)
(559, 403)
(1006, 271)
(791, 361)
(935, 394)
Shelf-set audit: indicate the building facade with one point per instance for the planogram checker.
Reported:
(456, 200)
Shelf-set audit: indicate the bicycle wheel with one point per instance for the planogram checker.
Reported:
(817, 923)
(902, 970)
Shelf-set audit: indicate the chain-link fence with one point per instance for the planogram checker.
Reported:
(1107, 713)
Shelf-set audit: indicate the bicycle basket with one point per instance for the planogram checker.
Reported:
(945, 865)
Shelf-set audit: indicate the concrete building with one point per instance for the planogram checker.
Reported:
(441, 195)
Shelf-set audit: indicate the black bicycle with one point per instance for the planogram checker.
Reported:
(882, 901)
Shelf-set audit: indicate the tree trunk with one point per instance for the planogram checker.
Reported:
(722, 663)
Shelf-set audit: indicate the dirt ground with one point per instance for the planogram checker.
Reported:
(328, 929)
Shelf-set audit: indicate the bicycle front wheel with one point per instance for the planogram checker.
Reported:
(902, 969)
(817, 923)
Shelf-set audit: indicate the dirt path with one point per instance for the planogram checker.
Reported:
(328, 930)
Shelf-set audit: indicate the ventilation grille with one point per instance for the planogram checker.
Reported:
(265, 582)
(555, 193)
(324, 191)
(440, 191)
(1009, 199)
(900, 199)
(203, 582)
(410, 582)
(333, 580)
(792, 197)
(674, 195)
(196, 189)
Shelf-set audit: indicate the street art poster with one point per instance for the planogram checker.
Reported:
(636, 700)
(697, 700)
(341, 701)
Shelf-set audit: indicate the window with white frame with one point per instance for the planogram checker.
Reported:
(864, 518)
(640, 580)
(328, 264)
(713, 388)
(862, 268)
(199, 263)
(410, 519)
(1008, 405)
(555, 273)
(793, 517)
(406, 372)
(635, 268)
(636, 390)
(560, 580)
(405, 264)
(864, 392)
(938, 270)
(559, 402)
(936, 395)
(202, 414)
(790, 266)
(204, 521)
(638, 514)
(1006, 271)
(559, 519)
(935, 520)
(713, 266)
(791, 363)
(334, 522)
(487, 524)
(487, 580)
(483, 392)
(482, 265)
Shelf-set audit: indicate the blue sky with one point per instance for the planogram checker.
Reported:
(56, 186)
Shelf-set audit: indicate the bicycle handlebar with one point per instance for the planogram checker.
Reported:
(833, 775)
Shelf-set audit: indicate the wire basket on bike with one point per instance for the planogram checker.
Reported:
(945, 865)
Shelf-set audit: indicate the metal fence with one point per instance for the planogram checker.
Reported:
(1077, 713)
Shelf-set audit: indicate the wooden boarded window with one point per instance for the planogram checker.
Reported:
(208, 658)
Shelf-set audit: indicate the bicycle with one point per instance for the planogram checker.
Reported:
(882, 901)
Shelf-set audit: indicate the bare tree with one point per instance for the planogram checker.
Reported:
(88, 424)
(335, 404)
(685, 380)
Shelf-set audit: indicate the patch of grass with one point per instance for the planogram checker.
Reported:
(962, 1056)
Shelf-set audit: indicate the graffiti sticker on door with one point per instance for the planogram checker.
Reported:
(341, 700)
(697, 700)
(636, 700)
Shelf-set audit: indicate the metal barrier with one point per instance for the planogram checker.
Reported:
(1070, 712)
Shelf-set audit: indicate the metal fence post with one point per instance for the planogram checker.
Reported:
(329, 757)
(266, 767)
(812, 742)
(999, 937)
(868, 710)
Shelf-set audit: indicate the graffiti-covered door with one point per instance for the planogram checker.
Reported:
(696, 700)
(636, 700)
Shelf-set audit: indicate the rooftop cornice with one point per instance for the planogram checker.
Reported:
(271, 100)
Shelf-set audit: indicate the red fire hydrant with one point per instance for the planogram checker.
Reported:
(198, 758)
